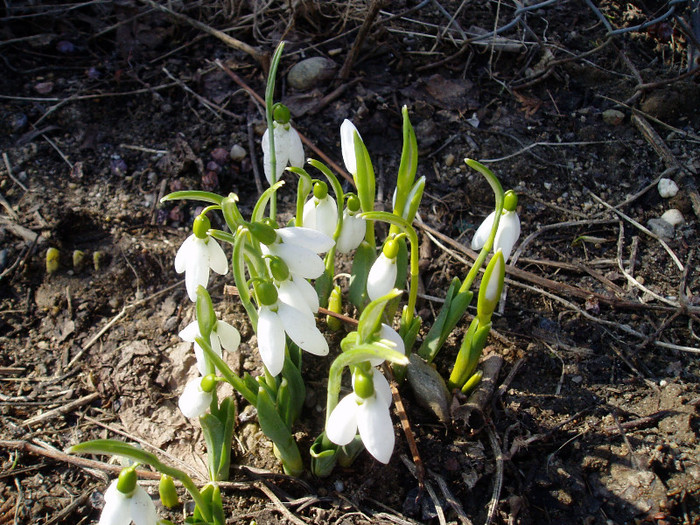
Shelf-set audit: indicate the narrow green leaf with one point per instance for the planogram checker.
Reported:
(371, 317)
(194, 195)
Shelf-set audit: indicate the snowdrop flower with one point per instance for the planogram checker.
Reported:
(321, 211)
(298, 248)
(222, 336)
(388, 335)
(196, 397)
(508, 228)
(347, 145)
(298, 293)
(275, 318)
(134, 504)
(197, 255)
(368, 415)
(288, 146)
(354, 228)
(382, 274)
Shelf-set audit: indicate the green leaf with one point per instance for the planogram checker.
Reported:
(361, 264)
(414, 200)
(431, 344)
(193, 195)
(259, 210)
(206, 317)
(364, 179)
(241, 385)
(371, 317)
(409, 164)
(296, 390)
(274, 428)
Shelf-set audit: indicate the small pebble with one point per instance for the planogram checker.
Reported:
(449, 160)
(219, 155)
(613, 117)
(661, 228)
(673, 216)
(667, 188)
(237, 153)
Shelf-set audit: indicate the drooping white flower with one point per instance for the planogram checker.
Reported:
(288, 150)
(347, 145)
(381, 277)
(222, 336)
(321, 215)
(122, 509)
(298, 293)
(506, 235)
(369, 416)
(298, 248)
(196, 257)
(276, 320)
(388, 335)
(194, 401)
(351, 234)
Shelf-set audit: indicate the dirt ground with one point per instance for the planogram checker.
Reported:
(107, 106)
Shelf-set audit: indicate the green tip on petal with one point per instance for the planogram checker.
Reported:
(126, 483)
(510, 201)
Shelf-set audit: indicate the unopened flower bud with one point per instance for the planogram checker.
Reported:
(167, 491)
(78, 260)
(335, 305)
(52, 257)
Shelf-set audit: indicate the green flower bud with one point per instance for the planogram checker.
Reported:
(491, 287)
(362, 383)
(78, 260)
(201, 226)
(263, 232)
(266, 292)
(510, 201)
(280, 113)
(97, 259)
(126, 483)
(335, 305)
(320, 190)
(52, 256)
(167, 491)
(279, 269)
(472, 382)
(208, 383)
(391, 249)
(353, 203)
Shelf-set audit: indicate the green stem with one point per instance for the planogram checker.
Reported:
(228, 374)
(269, 101)
(499, 195)
(238, 265)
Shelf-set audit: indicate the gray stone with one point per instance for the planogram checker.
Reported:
(429, 387)
(613, 117)
(310, 72)
(661, 228)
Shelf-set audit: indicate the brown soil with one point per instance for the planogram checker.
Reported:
(107, 106)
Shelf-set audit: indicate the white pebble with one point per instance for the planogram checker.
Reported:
(673, 216)
(667, 188)
(237, 153)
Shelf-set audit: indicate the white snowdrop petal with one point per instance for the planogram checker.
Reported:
(267, 162)
(217, 258)
(296, 148)
(391, 335)
(309, 238)
(507, 234)
(201, 361)
(309, 215)
(308, 292)
(271, 340)
(341, 427)
(491, 293)
(189, 332)
(347, 145)
(281, 149)
(194, 401)
(143, 510)
(483, 231)
(116, 510)
(381, 277)
(352, 233)
(183, 254)
(382, 388)
(302, 330)
(376, 429)
(197, 271)
(229, 337)
(288, 293)
(299, 260)
(327, 216)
